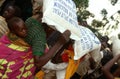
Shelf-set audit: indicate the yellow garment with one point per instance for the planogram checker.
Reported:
(16, 47)
(17, 43)
(72, 65)
(17, 40)
(39, 75)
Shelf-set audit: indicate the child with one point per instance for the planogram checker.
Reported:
(16, 60)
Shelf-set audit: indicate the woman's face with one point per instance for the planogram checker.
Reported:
(8, 12)
(20, 29)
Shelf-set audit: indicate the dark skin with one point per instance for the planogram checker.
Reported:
(107, 67)
(57, 58)
(8, 12)
(18, 28)
(42, 60)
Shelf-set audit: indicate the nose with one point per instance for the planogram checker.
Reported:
(25, 31)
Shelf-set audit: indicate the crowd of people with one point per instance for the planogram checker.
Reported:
(28, 47)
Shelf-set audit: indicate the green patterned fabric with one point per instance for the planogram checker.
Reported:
(36, 36)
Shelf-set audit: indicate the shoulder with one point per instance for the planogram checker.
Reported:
(28, 21)
(33, 23)
(31, 20)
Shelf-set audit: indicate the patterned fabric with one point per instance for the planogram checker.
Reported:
(16, 40)
(36, 36)
(3, 26)
(16, 62)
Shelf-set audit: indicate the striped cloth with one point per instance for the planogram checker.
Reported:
(36, 36)
(3, 26)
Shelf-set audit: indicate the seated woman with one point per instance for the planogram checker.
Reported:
(106, 69)
(16, 60)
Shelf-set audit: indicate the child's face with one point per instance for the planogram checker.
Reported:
(8, 12)
(20, 29)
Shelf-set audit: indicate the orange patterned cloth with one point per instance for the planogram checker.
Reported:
(39, 75)
(72, 65)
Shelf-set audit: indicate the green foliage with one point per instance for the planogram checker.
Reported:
(82, 13)
(97, 23)
(81, 3)
(104, 12)
(113, 2)
(119, 11)
(85, 14)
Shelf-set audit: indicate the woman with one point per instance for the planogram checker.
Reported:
(16, 60)
(9, 11)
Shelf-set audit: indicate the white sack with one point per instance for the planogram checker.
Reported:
(88, 42)
(62, 15)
